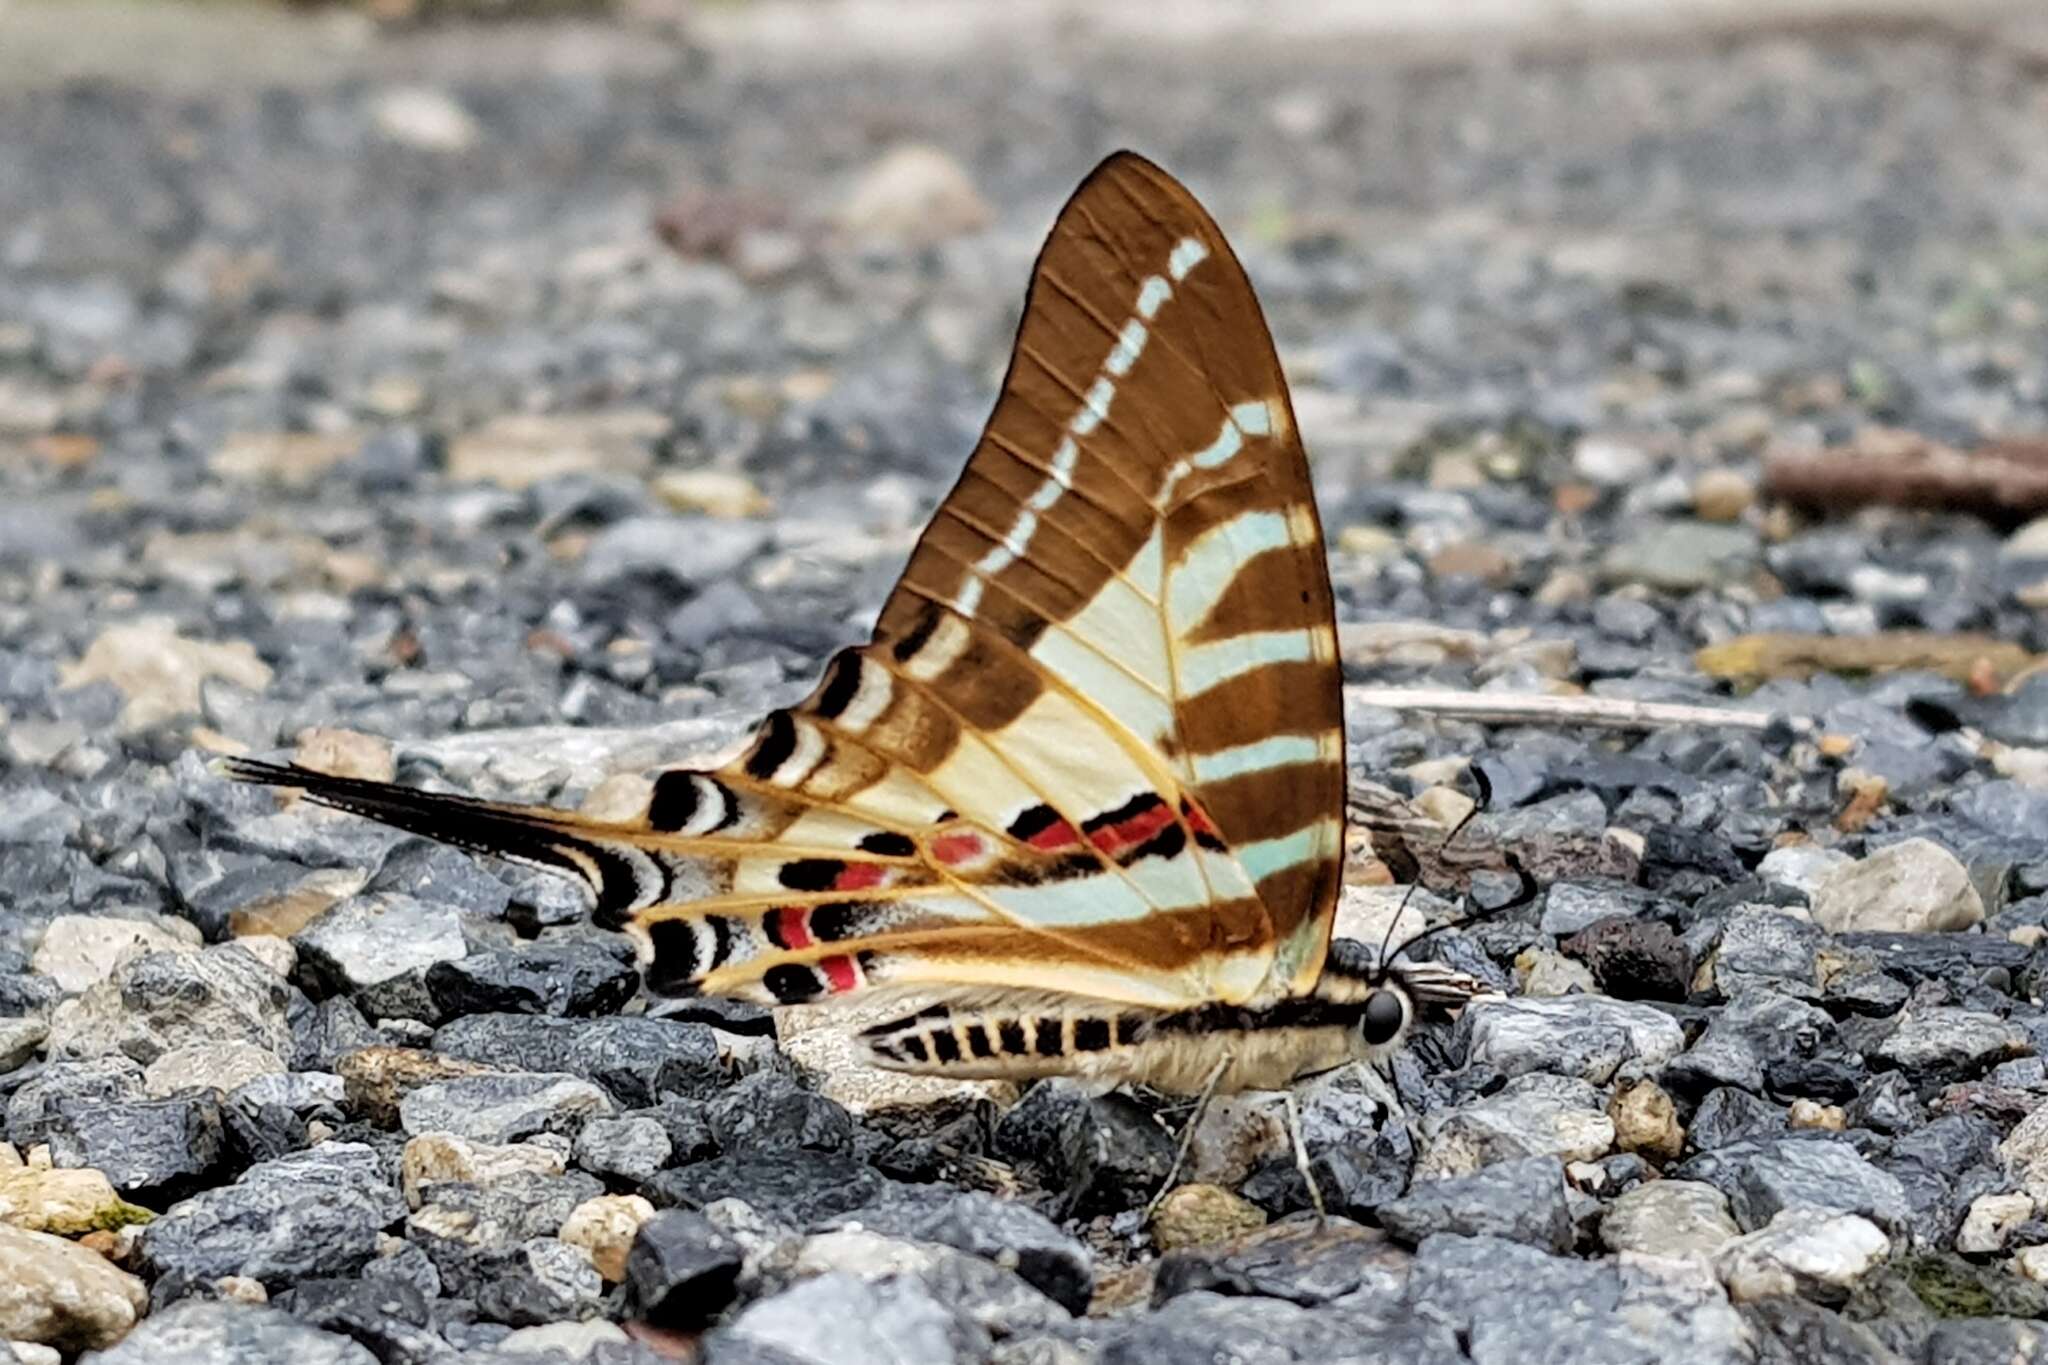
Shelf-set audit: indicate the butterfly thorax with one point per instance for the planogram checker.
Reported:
(1350, 1015)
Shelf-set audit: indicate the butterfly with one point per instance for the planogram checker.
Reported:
(1084, 784)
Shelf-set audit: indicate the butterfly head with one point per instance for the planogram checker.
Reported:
(1384, 999)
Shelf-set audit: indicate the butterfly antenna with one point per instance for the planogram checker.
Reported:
(1527, 893)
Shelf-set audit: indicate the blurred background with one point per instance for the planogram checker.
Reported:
(426, 365)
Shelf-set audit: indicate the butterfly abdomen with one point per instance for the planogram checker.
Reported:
(1171, 1051)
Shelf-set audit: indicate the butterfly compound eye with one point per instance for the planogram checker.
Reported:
(1384, 1015)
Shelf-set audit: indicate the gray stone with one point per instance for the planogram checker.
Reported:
(503, 1107)
(1303, 1261)
(1522, 1200)
(841, 1319)
(1570, 906)
(1209, 1327)
(149, 1150)
(1939, 1043)
(1762, 1176)
(631, 1149)
(1728, 1115)
(682, 1272)
(376, 950)
(199, 1332)
(1682, 556)
(635, 1059)
(36, 1109)
(1586, 1036)
(768, 1110)
(1532, 1115)
(543, 1280)
(689, 550)
(1767, 947)
(311, 1214)
(1515, 1303)
(1755, 1030)
(1010, 1233)
(554, 977)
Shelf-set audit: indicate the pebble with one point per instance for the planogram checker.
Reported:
(503, 1107)
(158, 671)
(1646, 1120)
(1016, 1236)
(68, 1203)
(1587, 1036)
(433, 1157)
(606, 1229)
(1990, 1222)
(1912, 887)
(841, 1319)
(1947, 1044)
(1763, 1176)
(1676, 1218)
(1808, 1251)
(201, 1332)
(1201, 1214)
(1532, 1115)
(79, 950)
(376, 949)
(914, 195)
(302, 1216)
(164, 1000)
(56, 1293)
(1522, 1200)
(682, 1271)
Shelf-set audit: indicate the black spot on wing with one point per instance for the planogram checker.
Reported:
(674, 970)
(1167, 843)
(1049, 1043)
(1137, 805)
(1033, 822)
(674, 802)
(842, 683)
(810, 874)
(889, 844)
(1010, 1032)
(1091, 1035)
(945, 1046)
(927, 622)
(777, 741)
(792, 984)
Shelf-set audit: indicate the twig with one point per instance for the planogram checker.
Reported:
(1611, 712)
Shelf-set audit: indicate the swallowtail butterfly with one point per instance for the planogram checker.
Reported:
(1085, 783)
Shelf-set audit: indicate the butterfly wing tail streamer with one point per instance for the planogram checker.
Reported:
(533, 836)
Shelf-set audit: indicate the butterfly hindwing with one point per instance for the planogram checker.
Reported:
(1095, 743)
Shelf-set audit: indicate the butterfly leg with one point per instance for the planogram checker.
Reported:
(1301, 1162)
(1187, 1134)
(1385, 1089)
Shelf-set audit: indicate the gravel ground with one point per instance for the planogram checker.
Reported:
(522, 413)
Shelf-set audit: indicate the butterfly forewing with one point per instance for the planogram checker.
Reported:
(1095, 743)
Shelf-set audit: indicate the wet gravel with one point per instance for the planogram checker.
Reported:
(514, 432)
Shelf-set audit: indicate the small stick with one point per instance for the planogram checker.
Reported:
(1187, 1135)
(1301, 1161)
(1617, 713)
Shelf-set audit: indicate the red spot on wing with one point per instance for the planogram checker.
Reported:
(840, 973)
(954, 849)
(1134, 831)
(860, 876)
(793, 926)
(1198, 820)
(1055, 836)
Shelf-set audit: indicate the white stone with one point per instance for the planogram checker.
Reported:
(160, 671)
(1675, 1218)
(1803, 1248)
(1915, 886)
(57, 1293)
(424, 118)
(222, 1066)
(915, 195)
(575, 1340)
(1991, 1219)
(78, 950)
(1801, 866)
(2025, 1154)
(434, 1157)
(2032, 1262)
